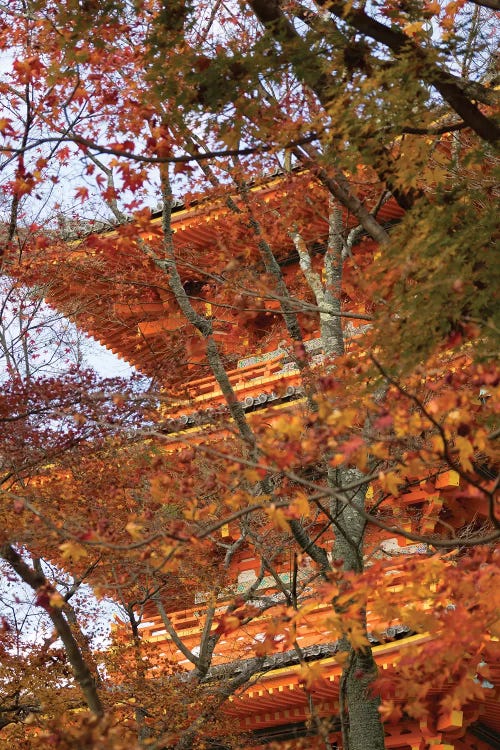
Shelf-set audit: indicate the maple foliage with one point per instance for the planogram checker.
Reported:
(336, 174)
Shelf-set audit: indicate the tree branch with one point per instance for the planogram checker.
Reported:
(37, 581)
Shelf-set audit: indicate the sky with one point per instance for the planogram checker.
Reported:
(105, 363)
(37, 340)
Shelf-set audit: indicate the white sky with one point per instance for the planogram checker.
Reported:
(105, 362)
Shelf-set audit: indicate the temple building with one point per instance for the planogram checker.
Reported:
(142, 324)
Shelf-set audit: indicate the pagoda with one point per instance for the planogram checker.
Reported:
(143, 325)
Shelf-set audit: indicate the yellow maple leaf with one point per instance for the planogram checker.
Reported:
(357, 636)
(56, 600)
(300, 505)
(290, 426)
(380, 450)
(303, 612)
(413, 28)
(252, 475)
(99, 591)
(341, 658)
(465, 451)
(334, 625)
(72, 551)
(134, 529)
(389, 482)
(437, 444)
(278, 517)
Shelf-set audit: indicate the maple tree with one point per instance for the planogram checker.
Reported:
(364, 114)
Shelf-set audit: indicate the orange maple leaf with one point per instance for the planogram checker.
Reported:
(82, 194)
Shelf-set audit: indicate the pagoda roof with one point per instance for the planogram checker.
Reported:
(117, 295)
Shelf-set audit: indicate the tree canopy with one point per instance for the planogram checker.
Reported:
(281, 213)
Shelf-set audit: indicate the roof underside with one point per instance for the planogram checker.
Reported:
(115, 292)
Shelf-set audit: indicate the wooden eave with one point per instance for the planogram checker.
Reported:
(279, 697)
(135, 327)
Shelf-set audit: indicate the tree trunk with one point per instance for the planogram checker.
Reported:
(361, 727)
(360, 719)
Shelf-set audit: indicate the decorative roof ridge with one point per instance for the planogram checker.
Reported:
(292, 658)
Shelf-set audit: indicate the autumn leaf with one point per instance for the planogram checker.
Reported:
(390, 482)
(134, 529)
(465, 452)
(413, 29)
(342, 658)
(300, 506)
(56, 600)
(437, 444)
(29, 68)
(274, 376)
(73, 551)
(82, 193)
(229, 623)
(6, 126)
(432, 7)
(310, 674)
(278, 518)
(357, 636)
